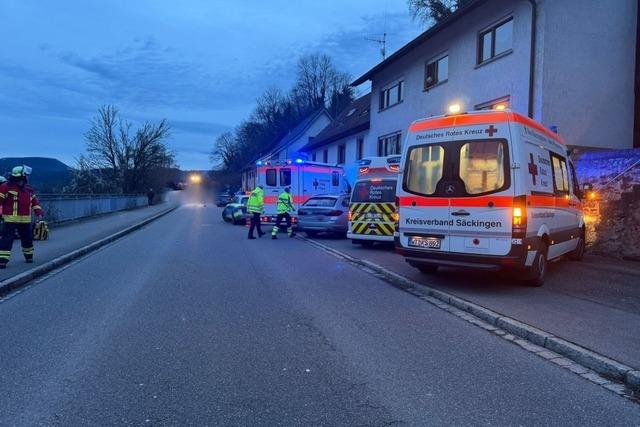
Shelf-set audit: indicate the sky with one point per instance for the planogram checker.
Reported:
(200, 64)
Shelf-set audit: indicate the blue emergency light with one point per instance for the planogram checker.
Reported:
(299, 161)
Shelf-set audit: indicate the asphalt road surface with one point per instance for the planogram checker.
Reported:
(186, 322)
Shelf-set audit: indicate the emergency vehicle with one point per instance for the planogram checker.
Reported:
(306, 179)
(372, 212)
(488, 190)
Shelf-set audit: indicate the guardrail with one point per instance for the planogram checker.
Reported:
(68, 207)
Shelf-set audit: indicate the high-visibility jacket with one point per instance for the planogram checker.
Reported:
(285, 203)
(18, 203)
(255, 204)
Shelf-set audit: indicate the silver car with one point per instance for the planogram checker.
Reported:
(324, 214)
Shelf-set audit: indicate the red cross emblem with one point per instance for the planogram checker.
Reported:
(533, 169)
(491, 130)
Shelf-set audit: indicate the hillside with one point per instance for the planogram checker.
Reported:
(49, 175)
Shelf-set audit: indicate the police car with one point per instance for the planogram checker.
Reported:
(488, 190)
(236, 211)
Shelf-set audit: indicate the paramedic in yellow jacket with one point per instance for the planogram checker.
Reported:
(255, 206)
(285, 205)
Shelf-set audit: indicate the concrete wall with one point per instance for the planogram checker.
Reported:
(587, 58)
(60, 208)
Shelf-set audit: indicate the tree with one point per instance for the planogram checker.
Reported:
(430, 12)
(126, 159)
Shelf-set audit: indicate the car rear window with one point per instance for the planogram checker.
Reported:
(374, 191)
(321, 202)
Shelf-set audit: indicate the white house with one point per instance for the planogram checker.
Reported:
(575, 71)
(289, 146)
(343, 141)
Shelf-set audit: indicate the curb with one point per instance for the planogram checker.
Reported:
(20, 280)
(598, 363)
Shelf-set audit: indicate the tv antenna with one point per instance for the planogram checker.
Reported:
(383, 44)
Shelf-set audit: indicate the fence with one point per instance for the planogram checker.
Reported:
(68, 207)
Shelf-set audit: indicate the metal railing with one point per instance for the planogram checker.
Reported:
(68, 207)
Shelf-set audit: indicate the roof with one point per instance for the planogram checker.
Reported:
(297, 131)
(353, 119)
(422, 38)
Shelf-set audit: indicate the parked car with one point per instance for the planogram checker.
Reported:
(236, 211)
(324, 214)
(223, 199)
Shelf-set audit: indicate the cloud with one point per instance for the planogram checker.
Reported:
(196, 127)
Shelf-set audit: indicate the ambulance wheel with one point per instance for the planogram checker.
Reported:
(427, 268)
(538, 271)
(311, 234)
(578, 253)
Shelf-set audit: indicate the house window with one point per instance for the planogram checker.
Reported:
(388, 145)
(341, 154)
(436, 71)
(335, 179)
(359, 148)
(313, 157)
(496, 40)
(325, 156)
(392, 95)
(501, 103)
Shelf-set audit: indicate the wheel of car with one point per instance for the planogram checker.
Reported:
(428, 269)
(311, 233)
(538, 271)
(578, 253)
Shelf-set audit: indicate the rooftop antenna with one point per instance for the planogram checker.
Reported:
(383, 44)
(382, 41)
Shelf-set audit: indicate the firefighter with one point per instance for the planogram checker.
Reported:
(255, 206)
(285, 205)
(17, 202)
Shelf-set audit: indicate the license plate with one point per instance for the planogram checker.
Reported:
(424, 242)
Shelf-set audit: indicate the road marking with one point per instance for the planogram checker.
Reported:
(530, 339)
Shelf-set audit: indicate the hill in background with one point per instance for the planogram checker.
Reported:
(49, 175)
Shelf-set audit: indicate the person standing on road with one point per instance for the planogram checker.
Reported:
(17, 202)
(285, 205)
(255, 206)
(150, 196)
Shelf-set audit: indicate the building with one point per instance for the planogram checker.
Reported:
(575, 71)
(343, 140)
(289, 147)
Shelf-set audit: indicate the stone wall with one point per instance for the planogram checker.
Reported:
(613, 215)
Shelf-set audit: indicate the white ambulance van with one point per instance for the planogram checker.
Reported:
(306, 179)
(488, 190)
(372, 211)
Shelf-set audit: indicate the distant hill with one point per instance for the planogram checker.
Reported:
(49, 175)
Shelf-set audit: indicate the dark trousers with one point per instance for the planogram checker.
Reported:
(282, 216)
(255, 224)
(6, 242)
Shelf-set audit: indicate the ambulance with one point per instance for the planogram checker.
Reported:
(372, 211)
(306, 179)
(488, 190)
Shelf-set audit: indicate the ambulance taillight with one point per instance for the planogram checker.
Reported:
(350, 215)
(396, 215)
(519, 229)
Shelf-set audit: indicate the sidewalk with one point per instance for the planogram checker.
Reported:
(69, 237)
(594, 303)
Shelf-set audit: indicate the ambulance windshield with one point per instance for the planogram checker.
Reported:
(374, 191)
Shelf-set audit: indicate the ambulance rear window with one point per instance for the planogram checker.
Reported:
(285, 177)
(271, 178)
(482, 166)
(425, 165)
(374, 191)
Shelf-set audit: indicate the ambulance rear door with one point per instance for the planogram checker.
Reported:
(270, 178)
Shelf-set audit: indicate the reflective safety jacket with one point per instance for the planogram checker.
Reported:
(285, 203)
(255, 204)
(18, 203)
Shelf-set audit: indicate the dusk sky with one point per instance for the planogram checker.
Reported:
(200, 64)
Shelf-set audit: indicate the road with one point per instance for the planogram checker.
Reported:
(186, 322)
